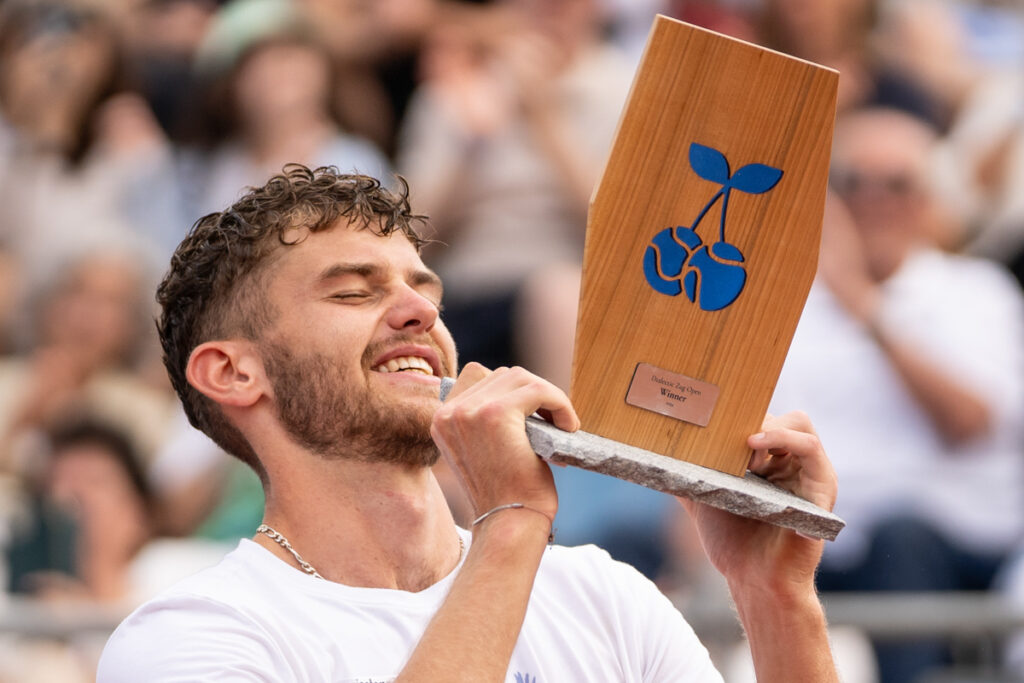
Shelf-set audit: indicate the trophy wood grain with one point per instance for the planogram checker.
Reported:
(754, 106)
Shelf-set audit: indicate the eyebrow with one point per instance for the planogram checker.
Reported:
(417, 278)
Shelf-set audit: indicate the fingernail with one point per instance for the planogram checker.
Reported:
(760, 436)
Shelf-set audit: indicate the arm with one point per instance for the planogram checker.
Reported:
(480, 433)
(770, 570)
(957, 412)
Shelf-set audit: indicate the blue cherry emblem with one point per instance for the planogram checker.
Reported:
(677, 260)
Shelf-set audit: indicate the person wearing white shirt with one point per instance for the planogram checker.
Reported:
(302, 332)
(913, 362)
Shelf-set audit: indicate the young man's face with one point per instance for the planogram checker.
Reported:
(357, 350)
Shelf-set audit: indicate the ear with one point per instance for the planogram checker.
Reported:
(228, 372)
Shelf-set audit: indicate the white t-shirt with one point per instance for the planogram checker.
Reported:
(254, 617)
(967, 316)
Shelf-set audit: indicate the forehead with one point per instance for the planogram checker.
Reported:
(303, 263)
(881, 140)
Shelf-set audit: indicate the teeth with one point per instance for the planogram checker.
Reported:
(406, 363)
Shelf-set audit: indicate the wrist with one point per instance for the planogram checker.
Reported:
(869, 309)
(788, 635)
(781, 598)
(518, 506)
(513, 523)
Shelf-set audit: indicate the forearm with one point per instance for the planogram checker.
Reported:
(788, 636)
(472, 636)
(577, 173)
(434, 155)
(957, 412)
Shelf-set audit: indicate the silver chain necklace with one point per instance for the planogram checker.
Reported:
(278, 537)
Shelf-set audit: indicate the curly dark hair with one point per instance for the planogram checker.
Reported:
(212, 290)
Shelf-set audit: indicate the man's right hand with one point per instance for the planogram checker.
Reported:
(480, 431)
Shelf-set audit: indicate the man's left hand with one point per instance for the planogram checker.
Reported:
(755, 555)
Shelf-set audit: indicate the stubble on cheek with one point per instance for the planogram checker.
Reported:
(338, 417)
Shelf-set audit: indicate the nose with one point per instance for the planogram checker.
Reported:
(411, 311)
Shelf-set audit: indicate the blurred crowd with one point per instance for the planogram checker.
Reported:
(123, 121)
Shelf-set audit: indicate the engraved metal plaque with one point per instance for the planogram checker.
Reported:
(671, 394)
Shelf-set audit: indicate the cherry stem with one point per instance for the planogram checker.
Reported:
(706, 208)
(725, 204)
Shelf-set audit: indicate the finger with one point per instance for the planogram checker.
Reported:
(471, 374)
(780, 468)
(804, 446)
(528, 394)
(796, 453)
(796, 419)
(764, 446)
(552, 402)
(758, 460)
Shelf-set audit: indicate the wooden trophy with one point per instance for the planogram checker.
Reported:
(702, 243)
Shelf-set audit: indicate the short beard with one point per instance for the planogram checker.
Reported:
(336, 421)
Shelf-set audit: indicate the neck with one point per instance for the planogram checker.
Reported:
(362, 524)
(886, 259)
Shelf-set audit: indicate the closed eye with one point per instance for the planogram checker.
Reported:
(350, 296)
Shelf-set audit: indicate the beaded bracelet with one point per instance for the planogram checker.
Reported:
(515, 506)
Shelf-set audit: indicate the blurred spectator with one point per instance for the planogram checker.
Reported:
(10, 298)
(91, 330)
(734, 18)
(376, 47)
(204, 492)
(927, 43)
(836, 33)
(980, 170)
(98, 513)
(912, 361)
(85, 163)
(161, 39)
(279, 94)
(88, 541)
(502, 145)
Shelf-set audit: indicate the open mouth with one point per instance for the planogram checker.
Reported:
(413, 364)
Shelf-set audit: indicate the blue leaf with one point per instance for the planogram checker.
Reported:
(709, 164)
(755, 178)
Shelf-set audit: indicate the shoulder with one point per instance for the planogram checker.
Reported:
(613, 609)
(935, 267)
(202, 626)
(591, 560)
(185, 637)
(952, 286)
(588, 573)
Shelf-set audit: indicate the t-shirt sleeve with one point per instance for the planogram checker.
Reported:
(665, 645)
(672, 650)
(190, 638)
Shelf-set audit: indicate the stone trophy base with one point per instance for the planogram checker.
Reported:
(748, 496)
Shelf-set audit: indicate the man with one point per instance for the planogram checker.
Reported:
(923, 351)
(301, 330)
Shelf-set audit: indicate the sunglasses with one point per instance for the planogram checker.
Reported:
(848, 181)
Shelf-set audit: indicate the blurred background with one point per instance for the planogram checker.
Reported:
(123, 121)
